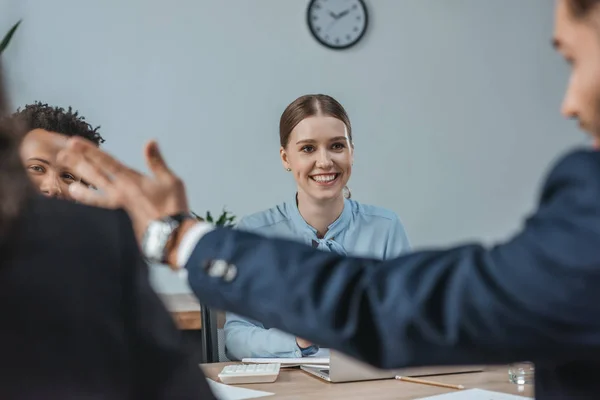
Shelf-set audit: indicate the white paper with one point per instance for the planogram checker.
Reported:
(321, 357)
(476, 394)
(286, 362)
(227, 392)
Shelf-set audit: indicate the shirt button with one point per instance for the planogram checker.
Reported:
(230, 274)
(217, 269)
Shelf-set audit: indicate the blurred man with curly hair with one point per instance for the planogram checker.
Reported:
(46, 131)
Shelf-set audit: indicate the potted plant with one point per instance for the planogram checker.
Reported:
(7, 38)
(226, 219)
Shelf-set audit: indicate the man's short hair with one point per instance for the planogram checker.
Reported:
(56, 119)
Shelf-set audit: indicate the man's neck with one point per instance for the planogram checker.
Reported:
(320, 214)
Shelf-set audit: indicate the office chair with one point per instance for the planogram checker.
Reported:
(213, 336)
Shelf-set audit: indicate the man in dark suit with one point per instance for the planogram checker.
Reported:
(79, 318)
(535, 297)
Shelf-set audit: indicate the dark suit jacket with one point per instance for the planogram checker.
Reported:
(535, 297)
(79, 318)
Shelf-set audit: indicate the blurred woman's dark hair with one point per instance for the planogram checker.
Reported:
(15, 186)
(581, 8)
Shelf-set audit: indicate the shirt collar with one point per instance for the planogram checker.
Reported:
(336, 227)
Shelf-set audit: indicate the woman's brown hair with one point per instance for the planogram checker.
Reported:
(308, 106)
(14, 183)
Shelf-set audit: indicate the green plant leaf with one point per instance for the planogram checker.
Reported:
(225, 219)
(8, 37)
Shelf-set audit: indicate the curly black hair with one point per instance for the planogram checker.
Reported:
(56, 119)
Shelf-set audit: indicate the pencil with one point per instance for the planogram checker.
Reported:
(432, 383)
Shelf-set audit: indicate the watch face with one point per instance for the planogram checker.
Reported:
(155, 239)
(337, 24)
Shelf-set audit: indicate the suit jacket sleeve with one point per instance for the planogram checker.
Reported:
(533, 297)
(163, 368)
(245, 338)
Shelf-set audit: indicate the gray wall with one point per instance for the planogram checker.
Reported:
(454, 103)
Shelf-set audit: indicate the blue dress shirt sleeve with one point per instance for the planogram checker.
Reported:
(245, 338)
(397, 242)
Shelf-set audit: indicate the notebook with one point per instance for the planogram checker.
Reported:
(287, 362)
(319, 358)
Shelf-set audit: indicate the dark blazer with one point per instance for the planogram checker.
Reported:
(79, 318)
(534, 297)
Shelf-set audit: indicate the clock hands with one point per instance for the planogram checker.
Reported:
(337, 24)
(336, 17)
(343, 13)
(340, 15)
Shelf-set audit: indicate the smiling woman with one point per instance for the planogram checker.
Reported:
(316, 145)
(47, 130)
(318, 150)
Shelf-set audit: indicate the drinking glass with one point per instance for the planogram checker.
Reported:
(521, 373)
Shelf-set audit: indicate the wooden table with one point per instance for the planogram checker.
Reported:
(184, 308)
(296, 384)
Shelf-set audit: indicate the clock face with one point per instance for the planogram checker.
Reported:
(337, 24)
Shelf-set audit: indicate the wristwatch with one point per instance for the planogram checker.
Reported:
(157, 236)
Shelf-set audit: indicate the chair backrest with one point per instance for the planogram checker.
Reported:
(221, 345)
(213, 335)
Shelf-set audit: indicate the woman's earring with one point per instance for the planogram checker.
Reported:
(288, 169)
(346, 192)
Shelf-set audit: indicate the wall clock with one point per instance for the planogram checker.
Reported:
(337, 24)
